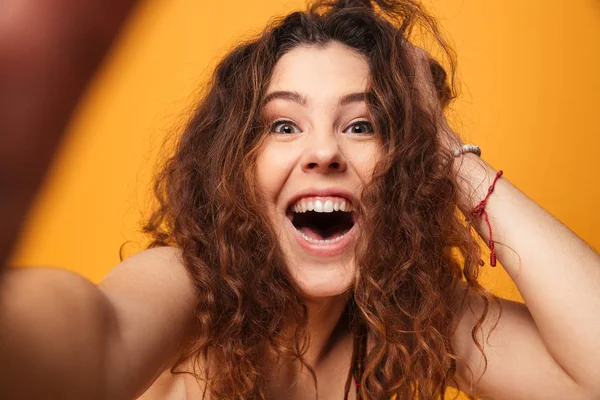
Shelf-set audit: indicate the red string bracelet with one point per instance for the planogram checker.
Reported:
(479, 210)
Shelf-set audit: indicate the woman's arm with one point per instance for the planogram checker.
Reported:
(549, 347)
(57, 334)
(557, 274)
(63, 337)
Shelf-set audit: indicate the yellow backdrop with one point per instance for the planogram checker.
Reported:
(530, 98)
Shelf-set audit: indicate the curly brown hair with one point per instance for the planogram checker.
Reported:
(414, 247)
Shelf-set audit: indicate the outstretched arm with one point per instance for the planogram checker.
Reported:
(62, 337)
(49, 50)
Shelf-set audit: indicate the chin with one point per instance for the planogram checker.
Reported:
(321, 281)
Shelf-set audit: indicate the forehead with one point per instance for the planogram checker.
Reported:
(321, 71)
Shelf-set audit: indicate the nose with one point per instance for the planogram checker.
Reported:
(322, 154)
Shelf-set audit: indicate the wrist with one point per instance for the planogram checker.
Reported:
(473, 176)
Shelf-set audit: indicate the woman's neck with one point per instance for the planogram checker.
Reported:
(329, 354)
(327, 324)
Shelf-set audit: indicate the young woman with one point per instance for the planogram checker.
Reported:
(308, 243)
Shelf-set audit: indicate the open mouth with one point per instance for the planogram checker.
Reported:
(322, 220)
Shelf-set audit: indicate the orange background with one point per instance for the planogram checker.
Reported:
(530, 97)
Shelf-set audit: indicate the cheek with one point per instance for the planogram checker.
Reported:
(273, 166)
(364, 157)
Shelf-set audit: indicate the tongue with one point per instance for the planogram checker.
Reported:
(311, 232)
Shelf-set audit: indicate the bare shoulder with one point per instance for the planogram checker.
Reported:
(154, 260)
(154, 300)
(519, 365)
(158, 271)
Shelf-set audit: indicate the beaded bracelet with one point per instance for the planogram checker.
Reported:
(467, 148)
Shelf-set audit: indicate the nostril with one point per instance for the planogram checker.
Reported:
(335, 165)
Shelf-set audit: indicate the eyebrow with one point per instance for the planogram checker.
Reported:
(303, 101)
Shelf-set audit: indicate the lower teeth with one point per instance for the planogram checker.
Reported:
(322, 241)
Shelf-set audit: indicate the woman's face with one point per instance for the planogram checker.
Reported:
(320, 152)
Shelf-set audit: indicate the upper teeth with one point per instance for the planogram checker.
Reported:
(322, 205)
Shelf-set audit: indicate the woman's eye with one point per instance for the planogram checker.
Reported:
(360, 128)
(288, 127)
(284, 127)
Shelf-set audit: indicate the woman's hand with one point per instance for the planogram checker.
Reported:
(48, 53)
(426, 90)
